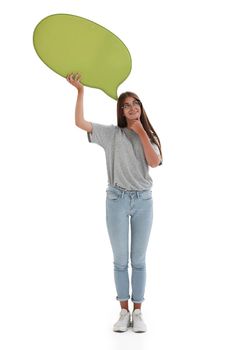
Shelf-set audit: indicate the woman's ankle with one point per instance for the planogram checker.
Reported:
(137, 306)
(124, 305)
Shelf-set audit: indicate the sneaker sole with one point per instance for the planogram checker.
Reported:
(122, 330)
(139, 331)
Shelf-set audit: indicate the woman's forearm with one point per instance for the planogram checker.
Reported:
(79, 113)
(150, 154)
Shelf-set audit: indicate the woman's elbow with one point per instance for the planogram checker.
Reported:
(156, 163)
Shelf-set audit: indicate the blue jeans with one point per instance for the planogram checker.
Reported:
(124, 207)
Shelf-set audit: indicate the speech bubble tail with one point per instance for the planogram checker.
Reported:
(112, 94)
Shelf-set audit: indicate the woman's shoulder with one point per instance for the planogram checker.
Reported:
(111, 128)
(104, 126)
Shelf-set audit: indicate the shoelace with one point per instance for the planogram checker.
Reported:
(122, 317)
(138, 316)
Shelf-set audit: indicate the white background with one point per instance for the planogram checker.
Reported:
(192, 69)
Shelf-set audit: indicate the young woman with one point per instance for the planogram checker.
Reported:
(130, 148)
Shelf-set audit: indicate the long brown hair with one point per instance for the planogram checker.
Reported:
(122, 122)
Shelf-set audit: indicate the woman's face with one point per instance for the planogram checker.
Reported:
(131, 108)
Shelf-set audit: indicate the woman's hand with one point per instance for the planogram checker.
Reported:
(137, 126)
(74, 79)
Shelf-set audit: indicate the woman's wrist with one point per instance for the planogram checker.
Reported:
(80, 90)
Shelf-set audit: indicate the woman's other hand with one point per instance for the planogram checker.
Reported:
(74, 79)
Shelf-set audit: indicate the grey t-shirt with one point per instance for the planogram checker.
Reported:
(125, 159)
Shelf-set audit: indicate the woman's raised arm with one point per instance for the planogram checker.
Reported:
(74, 79)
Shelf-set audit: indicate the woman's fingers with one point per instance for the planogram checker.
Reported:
(77, 77)
(69, 76)
(74, 79)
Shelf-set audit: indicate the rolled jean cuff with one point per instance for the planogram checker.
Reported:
(137, 301)
(122, 299)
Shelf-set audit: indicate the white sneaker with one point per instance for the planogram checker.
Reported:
(137, 322)
(123, 323)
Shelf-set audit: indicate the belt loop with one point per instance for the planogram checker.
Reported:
(138, 195)
(123, 194)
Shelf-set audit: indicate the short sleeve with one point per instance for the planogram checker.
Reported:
(101, 134)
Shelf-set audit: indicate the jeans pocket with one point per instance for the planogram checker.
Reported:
(112, 195)
(146, 195)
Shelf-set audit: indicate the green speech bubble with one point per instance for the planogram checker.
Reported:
(67, 43)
